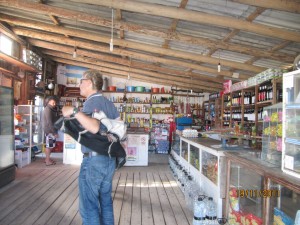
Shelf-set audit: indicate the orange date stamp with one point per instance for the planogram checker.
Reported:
(252, 193)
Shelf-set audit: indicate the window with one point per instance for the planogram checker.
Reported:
(6, 44)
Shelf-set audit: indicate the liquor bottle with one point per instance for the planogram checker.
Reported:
(253, 98)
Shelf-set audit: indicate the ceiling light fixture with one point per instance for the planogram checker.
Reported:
(75, 52)
(129, 70)
(50, 85)
(75, 47)
(111, 44)
(219, 65)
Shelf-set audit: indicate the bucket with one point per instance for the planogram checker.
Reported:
(112, 88)
(155, 90)
(140, 89)
(120, 89)
(130, 88)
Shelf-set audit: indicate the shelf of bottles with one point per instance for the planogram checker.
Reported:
(269, 93)
(71, 101)
(226, 110)
(244, 108)
(205, 110)
(137, 111)
(214, 110)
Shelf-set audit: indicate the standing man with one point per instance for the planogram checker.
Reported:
(97, 170)
(50, 116)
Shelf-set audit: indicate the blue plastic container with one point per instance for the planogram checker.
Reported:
(130, 88)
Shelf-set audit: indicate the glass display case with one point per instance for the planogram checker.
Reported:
(206, 165)
(176, 143)
(30, 129)
(245, 199)
(291, 123)
(259, 192)
(210, 166)
(272, 134)
(194, 156)
(184, 150)
(284, 204)
(7, 167)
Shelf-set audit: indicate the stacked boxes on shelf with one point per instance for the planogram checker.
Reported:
(159, 139)
(264, 76)
(152, 146)
(21, 158)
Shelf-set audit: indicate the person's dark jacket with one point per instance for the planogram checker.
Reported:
(49, 118)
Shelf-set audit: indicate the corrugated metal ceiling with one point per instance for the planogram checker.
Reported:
(186, 42)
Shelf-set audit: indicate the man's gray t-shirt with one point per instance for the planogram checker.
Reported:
(96, 103)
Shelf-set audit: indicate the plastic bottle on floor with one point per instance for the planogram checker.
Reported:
(211, 212)
(199, 211)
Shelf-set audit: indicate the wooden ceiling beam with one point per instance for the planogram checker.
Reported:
(132, 75)
(133, 70)
(234, 32)
(281, 45)
(84, 17)
(174, 24)
(117, 51)
(119, 18)
(135, 45)
(54, 19)
(196, 17)
(288, 5)
(124, 62)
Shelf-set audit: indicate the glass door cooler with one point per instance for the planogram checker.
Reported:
(7, 164)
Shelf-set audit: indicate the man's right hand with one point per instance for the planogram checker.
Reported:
(67, 111)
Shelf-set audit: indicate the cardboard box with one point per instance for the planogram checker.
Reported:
(21, 158)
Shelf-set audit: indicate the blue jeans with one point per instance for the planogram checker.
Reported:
(95, 186)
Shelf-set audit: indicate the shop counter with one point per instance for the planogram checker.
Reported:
(259, 191)
(204, 159)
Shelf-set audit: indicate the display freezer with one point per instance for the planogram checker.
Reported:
(7, 161)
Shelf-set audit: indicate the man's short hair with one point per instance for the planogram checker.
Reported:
(96, 77)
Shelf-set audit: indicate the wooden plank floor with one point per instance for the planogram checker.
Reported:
(49, 195)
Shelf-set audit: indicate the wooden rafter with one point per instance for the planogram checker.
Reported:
(136, 55)
(133, 45)
(96, 20)
(289, 5)
(197, 17)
